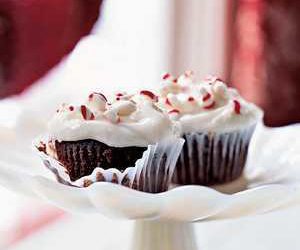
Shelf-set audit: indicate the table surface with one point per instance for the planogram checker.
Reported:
(277, 230)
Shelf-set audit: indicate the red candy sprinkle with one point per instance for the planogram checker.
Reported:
(206, 97)
(84, 113)
(237, 107)
(191, 99)
(168, 102)
(119, 94)
(174, 111)
(118, 98)
(166, 76)
(71, 108)
(149, 94)
(175, 80)
(210, 106)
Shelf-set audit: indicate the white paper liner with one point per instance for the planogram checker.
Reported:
(209, 158)
(152, 173)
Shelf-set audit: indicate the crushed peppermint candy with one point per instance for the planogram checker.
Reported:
(166, 76)
(122, 96)
(149, 94)
(174, 111)
(206, 97)
(168, 102)
(119, 96)
(86, 113)
(220, 89)
(125, 108)
(174, 114)
(97, 102)
(92, 95)
(237, 107)
(210, 106)
(120, 109)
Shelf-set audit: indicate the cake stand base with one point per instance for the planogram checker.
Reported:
(163, 235)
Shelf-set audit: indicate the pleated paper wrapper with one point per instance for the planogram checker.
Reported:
(152, 173)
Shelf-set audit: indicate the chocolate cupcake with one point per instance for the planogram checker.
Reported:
(127, 140)
(216, 124)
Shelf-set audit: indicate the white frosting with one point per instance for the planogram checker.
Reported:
(135, 120)
(126, 121)
(208, 105)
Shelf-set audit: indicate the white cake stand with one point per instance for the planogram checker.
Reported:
(164, 221)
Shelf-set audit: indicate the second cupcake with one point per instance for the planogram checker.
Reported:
(217, 125)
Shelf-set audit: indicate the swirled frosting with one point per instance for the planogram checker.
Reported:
(207, 105)
(124, 120)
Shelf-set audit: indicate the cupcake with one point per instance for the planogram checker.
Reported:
(126, 140)
(216, 124)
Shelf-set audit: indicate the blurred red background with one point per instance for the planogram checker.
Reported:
(267, 57)
(36, 34)
(264, 62)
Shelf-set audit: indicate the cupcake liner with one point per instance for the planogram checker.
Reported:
(151, 173)
(212, 158)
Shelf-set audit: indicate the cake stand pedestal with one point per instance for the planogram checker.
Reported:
(163, 235)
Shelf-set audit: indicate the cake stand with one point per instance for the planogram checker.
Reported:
(165, 220)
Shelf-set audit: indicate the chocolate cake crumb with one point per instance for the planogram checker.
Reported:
(80, 158)
(87, 183)
(42, 147)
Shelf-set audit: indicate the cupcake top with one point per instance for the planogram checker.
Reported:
(124, 120)
(207, 105)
